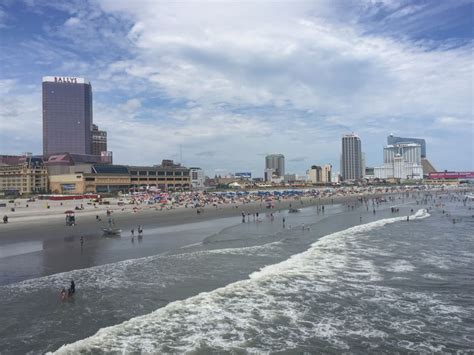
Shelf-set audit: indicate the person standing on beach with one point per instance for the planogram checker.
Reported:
(133, 232)
(284, 222)
(82, 241)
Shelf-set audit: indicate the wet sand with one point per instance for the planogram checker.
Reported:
(46, 246)
(49, 227)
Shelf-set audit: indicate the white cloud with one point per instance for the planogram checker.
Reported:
(262, 56)
(72, 21)
(6, 86)
(247, 77)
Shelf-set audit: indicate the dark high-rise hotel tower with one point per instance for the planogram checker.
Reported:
(392, 140)
(351, 158)
(67, 115)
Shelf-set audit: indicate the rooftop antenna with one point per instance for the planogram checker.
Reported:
(180, 154)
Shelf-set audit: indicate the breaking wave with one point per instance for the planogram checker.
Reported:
(297, 301)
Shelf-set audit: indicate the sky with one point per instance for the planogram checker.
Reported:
(221, 84)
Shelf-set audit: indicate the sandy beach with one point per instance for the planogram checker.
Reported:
(47, 217)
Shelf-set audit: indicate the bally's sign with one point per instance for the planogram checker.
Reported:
(64, 79)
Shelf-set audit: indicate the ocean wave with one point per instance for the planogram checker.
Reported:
(270, 311)
(120, 274)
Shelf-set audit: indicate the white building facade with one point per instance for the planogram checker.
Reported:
(327, 171)
(401, 161)
(197, 178)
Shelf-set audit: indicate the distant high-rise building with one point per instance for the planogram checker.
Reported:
(411, 152)
(401, 161)
(351, 158)
(392, 140)
(315, 174)
(425, 163)
(197, 178)
(268, 174)
(277, 163)
(99, 140)
(327, 171)
(67, 115)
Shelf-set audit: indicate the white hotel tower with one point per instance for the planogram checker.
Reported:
(401, 161)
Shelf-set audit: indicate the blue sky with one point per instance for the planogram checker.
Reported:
(232, 81)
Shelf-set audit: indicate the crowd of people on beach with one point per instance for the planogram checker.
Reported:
(202, 201)
(267, 198)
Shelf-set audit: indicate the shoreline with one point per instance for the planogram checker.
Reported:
(50, 224)
(54, 222)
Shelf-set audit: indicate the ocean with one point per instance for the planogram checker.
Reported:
(343, 281)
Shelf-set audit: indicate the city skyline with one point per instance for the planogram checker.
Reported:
(229, 94)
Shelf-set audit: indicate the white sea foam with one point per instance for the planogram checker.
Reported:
(436, 261)
(433, 276)
(400, 266)
(249, 314)
(116, 275)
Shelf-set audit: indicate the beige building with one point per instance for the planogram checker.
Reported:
(166, 176)
(315, 174)
(89, 182)
(23, 175)
(100, 178)
(67, 183)
(326, 174)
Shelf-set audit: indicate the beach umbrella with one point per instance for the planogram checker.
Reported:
(69, 211)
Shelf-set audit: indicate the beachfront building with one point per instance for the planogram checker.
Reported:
(67, 115)
(277, 163)
(326, 174)
(351, 158)
(425, 163)
(20, 175)
(393, 140)
(290, 178)
(336, 178)
(315, 174)
(66, 163)
(95, 178)
(401, 161)
(84, 177)
(197, 178)
(99, 140)
(269, 174)
(68, 118)
(166, 176)
(369, 172)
